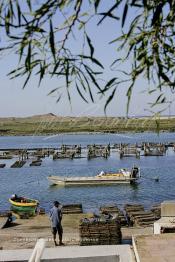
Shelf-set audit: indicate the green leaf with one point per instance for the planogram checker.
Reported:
(109, 99)
(88, 85)
(163, 100)
(28, 58)
(129, 93)
(56, 67)
(67, 74)
(125, 13)
(52, 91)
(27, 79)
(23, 44)
(115, 61)
(67, 80)
(19, 13)
(94, 60)
(96, 4)
(80, 93)
(58, 99)
(35, 29)
(109, 84)
(157, 14)
(7, 20)
(133, 25)
(120, 38)
(29, 5)
(108, 13)
(81, 81)
(42, 71)
(93, 79)
(15, 71)
(165, 77)
(136, 3)
(152, 91)
(158, 98)
(90, 45)
(52, 40)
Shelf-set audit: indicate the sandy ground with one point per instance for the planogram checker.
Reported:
(25, 232)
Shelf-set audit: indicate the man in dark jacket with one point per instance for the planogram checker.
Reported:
(56, 217)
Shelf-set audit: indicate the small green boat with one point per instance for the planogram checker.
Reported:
(23, 205)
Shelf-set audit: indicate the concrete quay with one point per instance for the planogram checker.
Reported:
(154, 248)
(18, 241)
(113, 253)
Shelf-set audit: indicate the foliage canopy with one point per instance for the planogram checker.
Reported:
(39, 33)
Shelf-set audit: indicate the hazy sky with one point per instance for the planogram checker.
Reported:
(33, 100)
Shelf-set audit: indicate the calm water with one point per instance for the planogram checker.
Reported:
(32, 181)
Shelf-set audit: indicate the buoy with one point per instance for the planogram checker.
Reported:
(156, 179)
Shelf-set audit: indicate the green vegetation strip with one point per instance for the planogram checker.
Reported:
(49, 124)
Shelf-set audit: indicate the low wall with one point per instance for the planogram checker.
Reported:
(113, 253)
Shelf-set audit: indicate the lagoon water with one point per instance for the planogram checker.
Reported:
(32, 181)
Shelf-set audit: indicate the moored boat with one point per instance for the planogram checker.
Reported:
(153, 152)
(22, 204)
(36, 163)
(124, 176)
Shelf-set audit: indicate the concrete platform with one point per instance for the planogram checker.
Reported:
(164, 222)
(154, 248)
(113, 253)
(25, 232)
(168, 208)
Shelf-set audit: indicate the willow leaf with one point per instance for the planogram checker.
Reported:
(53, 91)
(29, 5)
(93, 80)
(157, 14)
(96, 4)
(129, 93)
(109, 84)
(94, 60)
(28, 58)
(125, 13)
(109, 99)
(58, 99)
(42, 72)
(52, 40)
(106, 14)
(27, 79)
(80, 93)
(90, 45)
(19, 13)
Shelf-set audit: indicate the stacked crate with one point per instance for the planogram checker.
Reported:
(156, 209)
(72, 209)
(137, 216)
(115, 212)
(98, 232)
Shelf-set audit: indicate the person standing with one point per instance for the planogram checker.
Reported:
(56, 217)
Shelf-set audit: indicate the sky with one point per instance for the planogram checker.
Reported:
(15, 101)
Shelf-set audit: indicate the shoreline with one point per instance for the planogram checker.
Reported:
(87, 133)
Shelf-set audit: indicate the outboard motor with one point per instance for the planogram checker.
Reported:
(135, 172)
